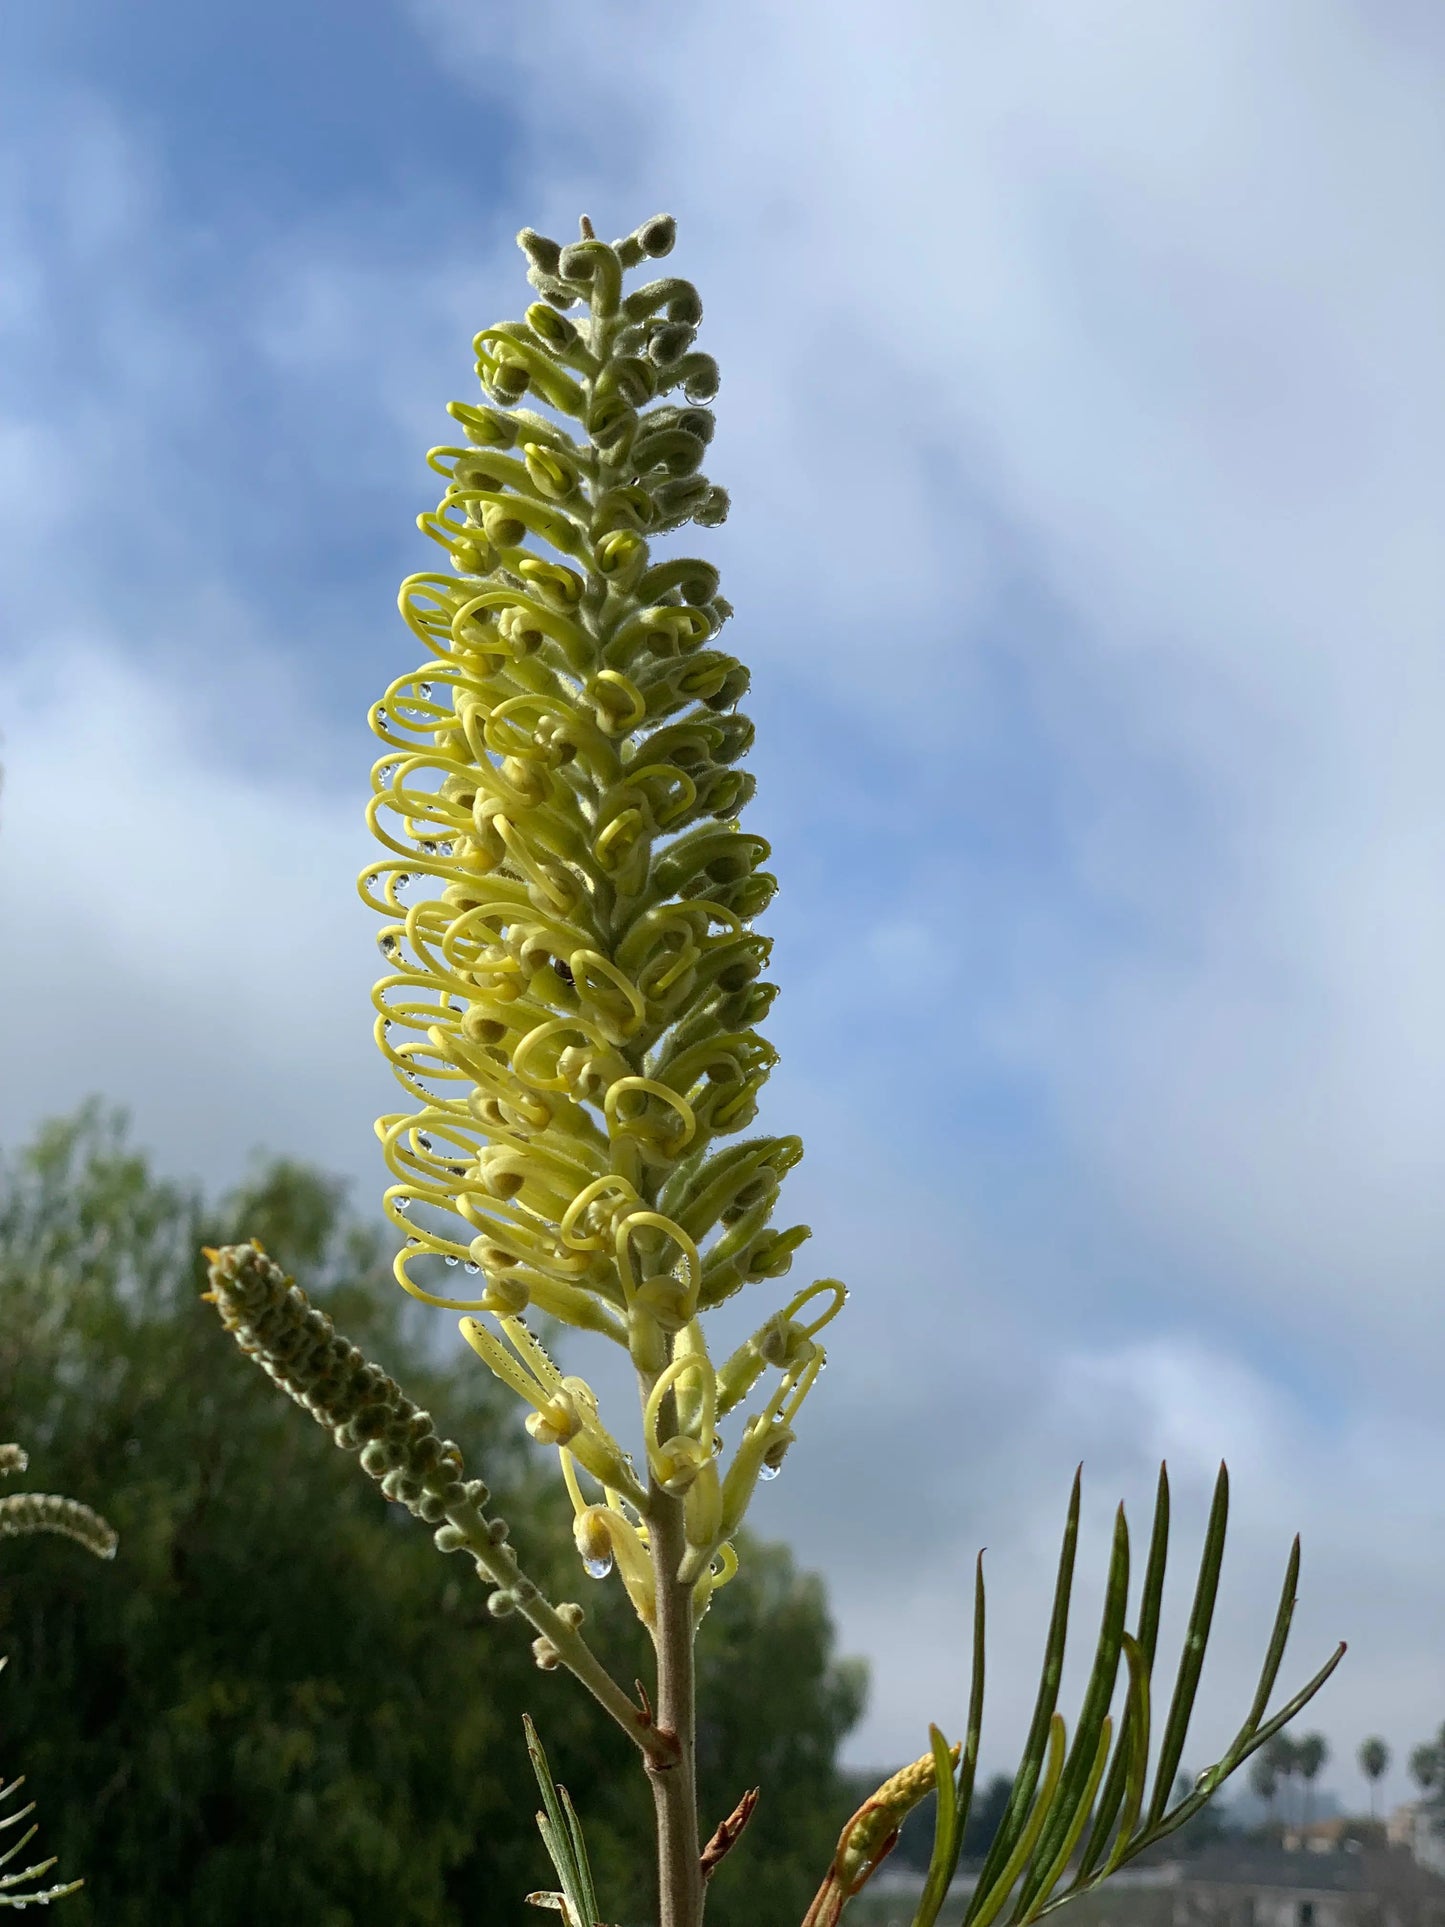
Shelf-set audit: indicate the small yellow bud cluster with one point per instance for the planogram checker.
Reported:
(870, 1834)
(47, 1512)
(23, 1512)
(365, 1411)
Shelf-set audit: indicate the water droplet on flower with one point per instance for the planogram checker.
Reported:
(383, 719)
(452, 1260)
(423, 689)
(401, 881)
(597, 1568)
(717, 1444)
(766, 1471)
(423, 1140)
(387, 1026)
(372, 880)
(387, 946)
(411, 1242)
(472, 1267)
(444, 849)
(401, 1204)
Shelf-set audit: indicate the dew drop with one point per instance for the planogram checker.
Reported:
(383, 719)
(717, 1444)
(597, 1568)
(452, 1261)
(423, 1141)
(423, 689)
(387, 945)
(444, 849)
(766, 1471)
(412, 1242)
(401, 1204)
(372, 880)
(387, 1026)
(472, 1267)
(401, 881)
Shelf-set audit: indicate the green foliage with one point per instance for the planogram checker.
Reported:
(280, 1703)
(1098, 1803)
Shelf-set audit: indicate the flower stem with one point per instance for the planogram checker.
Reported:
(674, 1784)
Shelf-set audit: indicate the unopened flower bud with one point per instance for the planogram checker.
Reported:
(557, 1422)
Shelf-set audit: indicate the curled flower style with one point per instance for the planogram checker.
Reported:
(573, 984)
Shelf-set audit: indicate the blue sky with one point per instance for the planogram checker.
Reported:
(1083, 415)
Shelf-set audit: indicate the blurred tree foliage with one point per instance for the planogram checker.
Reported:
(280, 1704)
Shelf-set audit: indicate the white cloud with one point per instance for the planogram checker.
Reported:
(1144, 312)
(1084, 354)
(182, 937)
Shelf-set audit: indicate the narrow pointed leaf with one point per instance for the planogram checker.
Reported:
(988, 1902)
(941, 1872)
(552, 1826)
(1031, 1907)
(1137, 1724)
(585, 1887)
(1016, 1814)
(1145, 1642)
(1191, 1660)
(1274, 1653)
(1079, 1770)
(944, 1857)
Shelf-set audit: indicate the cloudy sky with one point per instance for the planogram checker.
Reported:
(1083, 412)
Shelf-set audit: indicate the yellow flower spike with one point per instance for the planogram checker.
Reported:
(571, 982)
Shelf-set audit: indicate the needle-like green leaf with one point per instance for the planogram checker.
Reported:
(988, 1900)
(1016, 1815)
(1145, 1642)
(943, 1863)
(944, 1857)
(1084, 1766)
(1191, 1660)
(557, 1835)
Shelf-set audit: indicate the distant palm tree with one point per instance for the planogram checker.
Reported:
(1427, 1768)
(1264, 1781)
(1310, 1755)
(1374, 1758)
(1283, 1756)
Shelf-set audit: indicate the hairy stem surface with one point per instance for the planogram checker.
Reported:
(674, 1786)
